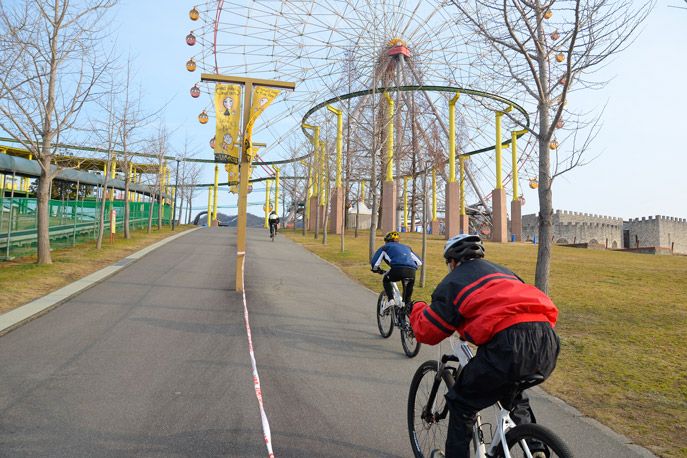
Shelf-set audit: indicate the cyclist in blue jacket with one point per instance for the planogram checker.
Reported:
(402, 262)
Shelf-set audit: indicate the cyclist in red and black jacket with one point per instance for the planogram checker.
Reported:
(511, 322)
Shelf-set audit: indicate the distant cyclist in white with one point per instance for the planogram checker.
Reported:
(273, 220)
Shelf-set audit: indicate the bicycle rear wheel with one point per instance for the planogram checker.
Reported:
(411, 346)
(518, 438)
(427, 411)
(384, 318)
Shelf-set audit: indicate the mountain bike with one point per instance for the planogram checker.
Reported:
(428, 414)
(388, 317)
(273, 231)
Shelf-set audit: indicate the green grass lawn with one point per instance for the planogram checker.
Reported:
(622, 324)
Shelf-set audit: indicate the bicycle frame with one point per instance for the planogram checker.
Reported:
(504, 422)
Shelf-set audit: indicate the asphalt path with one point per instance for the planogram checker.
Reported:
(154, 362)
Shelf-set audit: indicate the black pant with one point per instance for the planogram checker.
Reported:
(515, 353)
(396, 274)
(273, 228)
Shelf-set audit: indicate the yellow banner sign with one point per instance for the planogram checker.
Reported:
(232, 177)
(262, 98)
(227, 116)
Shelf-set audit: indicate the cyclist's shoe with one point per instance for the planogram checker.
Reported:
(389, 303)
(436, 453)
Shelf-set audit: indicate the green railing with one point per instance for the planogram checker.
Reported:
(71, 222)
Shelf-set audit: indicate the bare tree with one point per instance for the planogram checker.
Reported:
(189, 174)
(131, 118)
(544, 49)
(107, 133)
(160, 147)
(48, 75)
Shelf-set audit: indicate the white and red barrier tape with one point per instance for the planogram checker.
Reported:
(256, 378)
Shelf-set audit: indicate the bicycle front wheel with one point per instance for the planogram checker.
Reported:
(384, 319)
(411, 346)
(427, 411)
(523, 440)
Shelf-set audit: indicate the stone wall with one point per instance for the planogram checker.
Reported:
(575, 227)
(658, 231)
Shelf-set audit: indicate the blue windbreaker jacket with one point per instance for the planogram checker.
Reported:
(395, 255)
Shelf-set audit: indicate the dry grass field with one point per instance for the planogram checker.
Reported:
(623, 328)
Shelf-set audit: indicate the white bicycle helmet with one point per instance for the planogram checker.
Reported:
(463, 247)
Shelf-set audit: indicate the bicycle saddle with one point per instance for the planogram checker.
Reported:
(529, 382)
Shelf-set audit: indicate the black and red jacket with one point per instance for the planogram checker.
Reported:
(478, 299)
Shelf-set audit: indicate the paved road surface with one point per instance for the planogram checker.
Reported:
(154, 362)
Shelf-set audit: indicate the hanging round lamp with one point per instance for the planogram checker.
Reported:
(203, 118)
(191, 65)
(533, 183)
(553, 145)
(194, 14)
(195, 91)
(548, 14)
(190, 39)
(555, 35)
(560, 57)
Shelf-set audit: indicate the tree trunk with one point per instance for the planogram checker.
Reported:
(181, 206)
(43, 220)
(127, 210)
(160, 209)
(413, 203)
(541, 278)
(151, 208)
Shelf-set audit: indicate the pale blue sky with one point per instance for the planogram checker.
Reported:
(638, 167)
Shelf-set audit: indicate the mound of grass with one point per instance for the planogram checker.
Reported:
(622, 324)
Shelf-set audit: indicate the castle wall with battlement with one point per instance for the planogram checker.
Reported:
(578, 227)
(659, 231)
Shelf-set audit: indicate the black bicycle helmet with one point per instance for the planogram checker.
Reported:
(463, 247)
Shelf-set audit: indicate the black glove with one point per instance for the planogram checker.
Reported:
(409, 307)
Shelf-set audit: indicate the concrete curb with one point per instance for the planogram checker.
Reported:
(34, 309)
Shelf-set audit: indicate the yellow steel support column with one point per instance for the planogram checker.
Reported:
(209, 216)
(308, 195)
(215, 193)
(339, 142)
(390, 139)
(499, 182)
(113, 172)
(434, 194)
(316, 158)
(276, 190)
(405, 204)
(499, 143)
(514, 159)
(362, 190)
(323, 185)
(452, 138)
(266, 207)
(461, 167)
